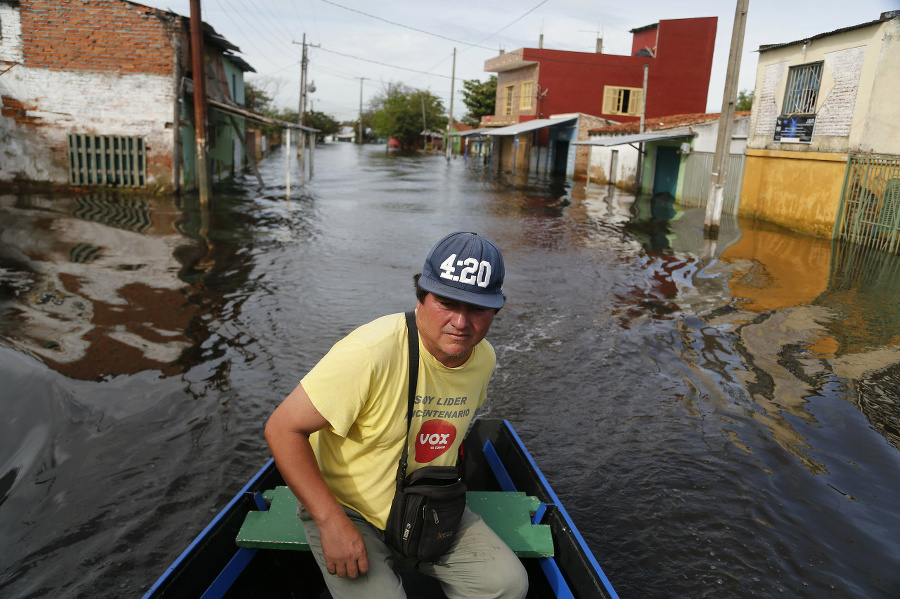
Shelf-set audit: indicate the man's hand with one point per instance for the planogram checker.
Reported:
(344, 549)
(287, 433)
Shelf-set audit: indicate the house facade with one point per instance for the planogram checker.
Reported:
(821, 103)
(98, 93)
(677, 157)
(543, 145)
(674, 55)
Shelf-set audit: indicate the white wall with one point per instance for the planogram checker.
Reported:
(61, 102)
(707, 136)
(626, 165)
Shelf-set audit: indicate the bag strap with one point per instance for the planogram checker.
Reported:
(412, 335)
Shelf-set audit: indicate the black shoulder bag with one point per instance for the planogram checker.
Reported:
(429, 503)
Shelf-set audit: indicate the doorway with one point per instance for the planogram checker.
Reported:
(665, 179)
(561, 158)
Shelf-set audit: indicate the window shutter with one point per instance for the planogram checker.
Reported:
(636, 103)
(609, 99)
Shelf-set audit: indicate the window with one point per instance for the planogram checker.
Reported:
(622, 100)
(802, 89)
(527, 95)
(112, 160)
(508, 108)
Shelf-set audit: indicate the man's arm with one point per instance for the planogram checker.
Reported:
(287, 433)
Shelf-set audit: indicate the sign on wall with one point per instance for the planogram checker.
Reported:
(795, 129)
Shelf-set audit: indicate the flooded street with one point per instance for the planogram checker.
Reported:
(720, 421)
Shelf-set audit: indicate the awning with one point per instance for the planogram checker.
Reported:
(530, 126)
(481, 131)
(252, 116)
(637, 138)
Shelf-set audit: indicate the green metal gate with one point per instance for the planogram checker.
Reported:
(869, 212)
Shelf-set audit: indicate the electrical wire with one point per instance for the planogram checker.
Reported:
(384, 64)
(438, 35)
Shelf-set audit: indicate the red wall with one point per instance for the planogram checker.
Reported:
(574, 80)
(679, 82)
(678, 78)
(97, 36)
(645, 38)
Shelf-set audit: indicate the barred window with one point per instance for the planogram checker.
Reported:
(802, 89)
(111, 160)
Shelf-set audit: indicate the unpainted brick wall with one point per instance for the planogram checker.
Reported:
(98, 35)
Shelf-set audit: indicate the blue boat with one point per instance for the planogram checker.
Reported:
(255, 546)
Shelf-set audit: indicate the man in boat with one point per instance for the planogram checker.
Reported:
(338, 436)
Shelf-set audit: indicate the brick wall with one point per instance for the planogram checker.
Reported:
(836, 113)
(98, 35)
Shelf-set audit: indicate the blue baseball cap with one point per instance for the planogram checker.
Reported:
(465, 267)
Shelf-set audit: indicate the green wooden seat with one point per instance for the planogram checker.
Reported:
(508, 514)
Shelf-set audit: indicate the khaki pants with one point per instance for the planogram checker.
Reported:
(478, 565)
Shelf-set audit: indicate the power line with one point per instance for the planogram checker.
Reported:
(514, 22)
(384, 64)
(438, 35)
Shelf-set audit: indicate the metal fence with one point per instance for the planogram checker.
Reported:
(698, 173)
(112, 160)
(869, 212)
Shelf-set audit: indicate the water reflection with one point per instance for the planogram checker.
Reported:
(92, 285)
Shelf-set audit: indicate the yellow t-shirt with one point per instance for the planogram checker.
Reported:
(360, 387)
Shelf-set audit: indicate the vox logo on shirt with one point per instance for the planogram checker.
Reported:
(434, 439)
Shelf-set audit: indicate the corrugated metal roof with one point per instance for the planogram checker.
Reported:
(253, 116)
(480, 131)
(618, 140)
(530, 126)
(885, 16)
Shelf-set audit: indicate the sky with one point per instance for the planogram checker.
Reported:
(357, 46)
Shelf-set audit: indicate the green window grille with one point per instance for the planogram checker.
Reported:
(109, 160)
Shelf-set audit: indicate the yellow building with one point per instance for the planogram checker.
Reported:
(817, 102)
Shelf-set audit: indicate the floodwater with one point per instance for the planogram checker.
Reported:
(721, 420)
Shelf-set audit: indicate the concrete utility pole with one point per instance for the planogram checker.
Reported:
(726, 120)
(640, 162)
(199, 76)
(301, 111)
(361, 79)
(450, 123)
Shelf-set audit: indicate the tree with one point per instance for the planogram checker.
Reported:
(744, 100)
(325, 123)
(401, 110)
(256, 99)
(480, 98)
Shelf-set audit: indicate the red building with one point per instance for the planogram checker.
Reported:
(537, 83)
(594, 89)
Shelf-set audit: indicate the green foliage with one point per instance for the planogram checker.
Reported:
(260, 102)
(257, 100)
(325, 123)
(479, 97)
(403, 112)
(744, 100)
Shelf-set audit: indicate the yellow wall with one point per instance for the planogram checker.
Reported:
(775, 269)
(798, 190)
